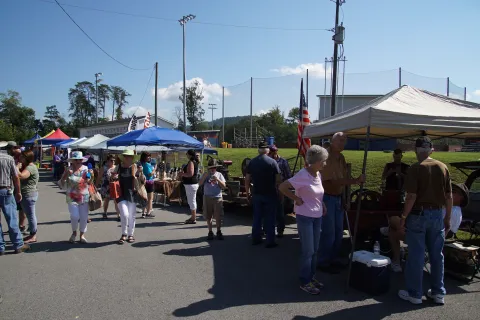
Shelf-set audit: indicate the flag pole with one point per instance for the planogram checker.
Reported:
(300, 147)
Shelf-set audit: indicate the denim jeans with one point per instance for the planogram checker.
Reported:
(264, 207)
(9, 209)
(28, 206)
(424, 232)
(332, 230)
(309, 230)
(281, 215)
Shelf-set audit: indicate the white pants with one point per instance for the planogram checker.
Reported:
(191, 191)
(128, 211)
(78, 212)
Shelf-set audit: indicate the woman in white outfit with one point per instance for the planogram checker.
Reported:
(126, 176)
(76, 180)
(190, 182)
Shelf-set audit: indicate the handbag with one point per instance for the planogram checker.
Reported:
(140, 190)
(95, 202)
(114, 187)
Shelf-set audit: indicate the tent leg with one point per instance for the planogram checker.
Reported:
(359, 205)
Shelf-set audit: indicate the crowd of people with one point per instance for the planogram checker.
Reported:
(432, 204)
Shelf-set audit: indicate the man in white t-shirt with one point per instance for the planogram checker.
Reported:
(395, 234)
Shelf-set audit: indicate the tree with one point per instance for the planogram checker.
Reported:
(104, 92)
(52, 119)
(6, 133)
(178, 113)
(293, 115)
(119, 97)
(193, 103)
(19, 118)
(82, 110)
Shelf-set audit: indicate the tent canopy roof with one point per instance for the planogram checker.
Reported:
(55, 137)
(93, 140)
(155, 136)
(32, 139)
(404, 112)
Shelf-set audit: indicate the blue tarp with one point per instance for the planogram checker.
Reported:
(33, 139)
(155, 136)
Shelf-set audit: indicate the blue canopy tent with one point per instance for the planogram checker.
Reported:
(33, 139)
(64, 143)
(155, 136)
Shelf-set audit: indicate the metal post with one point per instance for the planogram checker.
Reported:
(359, 205)
(448, 86)
(212, 107)
(184, 84)
(465, 93)
(400, 77)
(324, 91)
(307, 90)
(223, 114)
(156, 92)
(251, 111)
(96, 97)
(335, 61)
(343, 80)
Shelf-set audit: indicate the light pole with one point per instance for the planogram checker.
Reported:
(212, 107)
(183, 21)
(96, 95)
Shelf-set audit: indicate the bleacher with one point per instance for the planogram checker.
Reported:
(471, 147)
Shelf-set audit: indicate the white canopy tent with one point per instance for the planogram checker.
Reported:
(93, 140)
(404, 112)
(73, 144)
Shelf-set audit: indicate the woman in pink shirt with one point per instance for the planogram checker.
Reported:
(309, 209)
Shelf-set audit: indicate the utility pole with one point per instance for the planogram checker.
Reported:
(96, 95)
(337, 39)
(212, 107)
(156, 92)
(183, 21)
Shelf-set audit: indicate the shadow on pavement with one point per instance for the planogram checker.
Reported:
(59, 246)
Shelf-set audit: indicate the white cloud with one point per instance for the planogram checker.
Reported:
(211, 92)
(316, 70)
(259, 113)
(476, 93)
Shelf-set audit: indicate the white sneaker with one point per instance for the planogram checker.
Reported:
(396, 267)
(437, 298)
(403, 294)
(384, 231)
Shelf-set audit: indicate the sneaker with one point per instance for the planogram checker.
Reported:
(384, 231)
(437, 298)
(24, 248)
(317, 284)
(143, 215)
(396, 267)
(310, 288)
(210, 235)
(219, 235)
(403, 294)
(72, 238)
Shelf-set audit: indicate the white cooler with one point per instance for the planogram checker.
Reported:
(370, 272)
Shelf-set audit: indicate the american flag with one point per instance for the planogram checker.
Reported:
(133, 124)
(304, 120)
(146, 124)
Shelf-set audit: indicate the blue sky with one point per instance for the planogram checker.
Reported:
(44, 53)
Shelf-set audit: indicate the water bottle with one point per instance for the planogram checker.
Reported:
(88, 172)
(376, 248)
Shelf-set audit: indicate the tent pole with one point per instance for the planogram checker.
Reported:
(359, 205)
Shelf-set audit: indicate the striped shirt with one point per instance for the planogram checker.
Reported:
(8, 170)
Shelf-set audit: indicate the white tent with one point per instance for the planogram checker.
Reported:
(404, 112)
(73, 144)
(93, 140)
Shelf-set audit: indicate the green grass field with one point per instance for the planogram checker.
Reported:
(375, 162)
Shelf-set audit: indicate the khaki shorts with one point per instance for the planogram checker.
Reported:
(212, 206)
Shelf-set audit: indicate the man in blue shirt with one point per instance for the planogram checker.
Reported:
(286, 174)
(265, 175)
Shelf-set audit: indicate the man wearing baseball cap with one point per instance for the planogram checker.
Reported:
(9, 195)
(428, 190)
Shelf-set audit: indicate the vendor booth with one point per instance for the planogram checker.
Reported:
(406, 112)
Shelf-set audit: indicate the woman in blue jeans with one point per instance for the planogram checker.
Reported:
(309, 210)
(28, 186)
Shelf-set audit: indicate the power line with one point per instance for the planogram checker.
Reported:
(148, 84)
(196, 22)
(98, 46)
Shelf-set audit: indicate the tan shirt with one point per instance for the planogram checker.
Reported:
(335, 169)
(430, 181)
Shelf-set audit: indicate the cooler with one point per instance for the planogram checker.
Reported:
(370, 272)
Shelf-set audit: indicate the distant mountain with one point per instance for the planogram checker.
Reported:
(228, 120)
